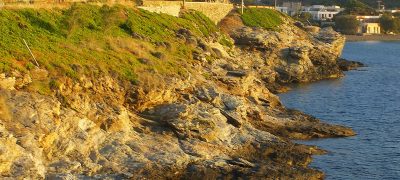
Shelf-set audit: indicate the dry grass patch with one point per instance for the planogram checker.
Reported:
(4, 111)
(230, 23)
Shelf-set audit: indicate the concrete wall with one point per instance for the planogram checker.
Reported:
(215, 11)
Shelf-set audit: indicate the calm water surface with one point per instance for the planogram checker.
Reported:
(368, 101)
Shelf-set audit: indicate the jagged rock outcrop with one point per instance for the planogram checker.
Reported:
(220, 121)
(295, 55)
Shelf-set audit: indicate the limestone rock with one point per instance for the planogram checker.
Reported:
(347, 65)
(220, 121)
(7, 82)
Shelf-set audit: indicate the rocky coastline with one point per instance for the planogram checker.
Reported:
(379, 37)
(220, 121)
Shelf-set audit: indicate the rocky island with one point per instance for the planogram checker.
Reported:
(122, 93)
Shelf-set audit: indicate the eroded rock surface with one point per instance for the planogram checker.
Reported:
(220, 121)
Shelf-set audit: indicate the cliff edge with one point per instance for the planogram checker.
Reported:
(123, 93)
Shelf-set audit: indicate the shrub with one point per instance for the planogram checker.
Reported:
(347, 24)
(226, 41)
(390, 24)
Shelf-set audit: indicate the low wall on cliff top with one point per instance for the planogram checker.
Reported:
(215, 11)
(48, 4)
(172, 10)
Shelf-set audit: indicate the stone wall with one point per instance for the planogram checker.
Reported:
(215, 11)
(172, 10)
(59, 3)
(161, 3)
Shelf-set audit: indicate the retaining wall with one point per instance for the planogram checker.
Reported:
(58, 3)
(172, 10)
(215, 11)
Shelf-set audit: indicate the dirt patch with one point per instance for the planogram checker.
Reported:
(231, 22)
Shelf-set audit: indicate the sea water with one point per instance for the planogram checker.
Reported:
(367, 100)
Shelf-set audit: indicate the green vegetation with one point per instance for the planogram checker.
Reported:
(264, 18)
(355, 7)
(305, 18)
(390, 24)
(347, 24)
(397, 14)
(93, 40)
(226, 41)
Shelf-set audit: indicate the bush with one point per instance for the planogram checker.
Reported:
(390, 24)
(226, 41)
(347, 24)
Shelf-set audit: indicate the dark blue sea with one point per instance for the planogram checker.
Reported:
(368, 100)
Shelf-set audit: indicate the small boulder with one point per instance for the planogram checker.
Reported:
(312, 29)
(299, 24)
(237, 73)
(7, 82)
(346, 65)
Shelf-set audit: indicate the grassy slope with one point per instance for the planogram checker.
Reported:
(88, 39)
(265, 18)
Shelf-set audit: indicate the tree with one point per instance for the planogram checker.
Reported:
(397, 14)
(388, 23)
(347, 24)
(304, 17)
(355, 7)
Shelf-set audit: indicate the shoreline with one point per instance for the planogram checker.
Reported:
(381, 37)
(218, 119)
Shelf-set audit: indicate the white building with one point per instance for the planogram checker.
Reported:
(321, 12)
(283, 9)
(388, 11)
(290, 8)
(371, 28)
(363, 19)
